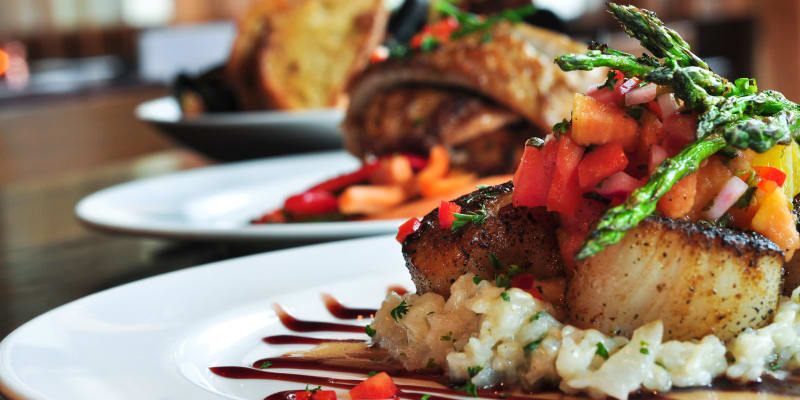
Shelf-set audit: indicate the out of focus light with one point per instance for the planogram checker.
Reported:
(3, 62)
(147, 13)
(17, 73)
(569, 9)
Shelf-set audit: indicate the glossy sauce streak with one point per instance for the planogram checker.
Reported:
(292, 339)
(315, 365)
(339, 311)
(297, 325)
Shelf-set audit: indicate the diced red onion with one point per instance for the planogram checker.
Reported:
(657, 155)
(641, 95)
(627, 85)
(727, 197)
(619, 184)
(668, 104)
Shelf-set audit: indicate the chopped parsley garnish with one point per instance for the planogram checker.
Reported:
(314, 389)
(372, 373)
(471, 23)
(486, 37)
(470, 388)
(537, 142)
(429, 43)
(431, 364)
(538, 315)
(611, 81)
(601, 351)
(505, 296)
(466, 218)
(532, 346)
(448, 337)
(265, 364)
(561, 127)
(474, 370)
(495, 262)
(477, 279)
(514, 270)
(502, 281)
(643, 349)
(746, 198)
(635, 112)
(483, 186)
(774, 366)
(425, 397)
(370, 331)
(400, 311)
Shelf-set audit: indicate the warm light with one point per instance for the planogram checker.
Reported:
(3, 62)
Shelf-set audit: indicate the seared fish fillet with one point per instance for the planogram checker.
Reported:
(525, 237)
(698, 279)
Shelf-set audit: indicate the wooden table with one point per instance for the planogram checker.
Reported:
(52, 154)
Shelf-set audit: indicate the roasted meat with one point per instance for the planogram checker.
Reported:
(524, 237)
(697, 278)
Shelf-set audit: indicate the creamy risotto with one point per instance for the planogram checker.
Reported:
(485, 335)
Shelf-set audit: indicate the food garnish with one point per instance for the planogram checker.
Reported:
(731, 114)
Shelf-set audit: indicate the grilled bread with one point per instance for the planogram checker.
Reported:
(300, 54)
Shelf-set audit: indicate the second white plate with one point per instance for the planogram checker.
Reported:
(217, 203)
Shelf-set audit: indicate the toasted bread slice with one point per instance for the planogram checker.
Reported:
(297, 54)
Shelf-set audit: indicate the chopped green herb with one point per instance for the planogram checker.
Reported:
(265, 364)
(601, 351)
(502, 281)
(561, 127)
(505, 296)
(431, 364)
(370, 331)
(746, 198)
(471, 23)
(486, 37)
(314, 389)
(774, 366)
(532, 346)
(538, 315)
(425, 397)
(447, 337)
(372, 373)
(539, 288)
(611, 81)
(643, 343)
(660, 364)
(431, 313)
(514, 270)
(466, 218)
(536, 142)
(429, 43)
(474, 370)
(470, 388)
(477, 279)
(399, 311)
(643, 84)
(495, 262)
(644, 350)
(483, 186)
(397, 50)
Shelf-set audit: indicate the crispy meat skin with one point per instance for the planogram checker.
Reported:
(698, 279)
(515, 70)
(436, 257)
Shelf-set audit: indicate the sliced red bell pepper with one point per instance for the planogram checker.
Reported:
(534, 175)
(312, 203)
(446, 211)
(655, 109)
(565, 195)
(408, 227)
(379, 386)
(342, 181)
(601, 163)
(440, 31)
(771, 174)
(767, 185)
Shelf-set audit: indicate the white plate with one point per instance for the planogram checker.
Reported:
(217, 203)
(156, 338)
(245, 135)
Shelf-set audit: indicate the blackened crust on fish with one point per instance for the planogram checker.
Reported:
(696, 278)
(521, 236)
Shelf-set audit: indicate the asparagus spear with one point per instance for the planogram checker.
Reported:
(732, 114)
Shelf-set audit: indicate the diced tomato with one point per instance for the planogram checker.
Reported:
(534, 175)
(526, 282)
(343, 181)
(775, 221)
(655, 109)
(771, 174)
(601, 163)
(565, 195)
(678, 202)
(408, 227)
(597, 123)
(607, 95)
(440, 31)
(274, 217)
(315, 202)
(380, 54)
(767, 185)
(379, 386)
(315, 395)
(446, 211)
(681, 130)
(302, 395)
